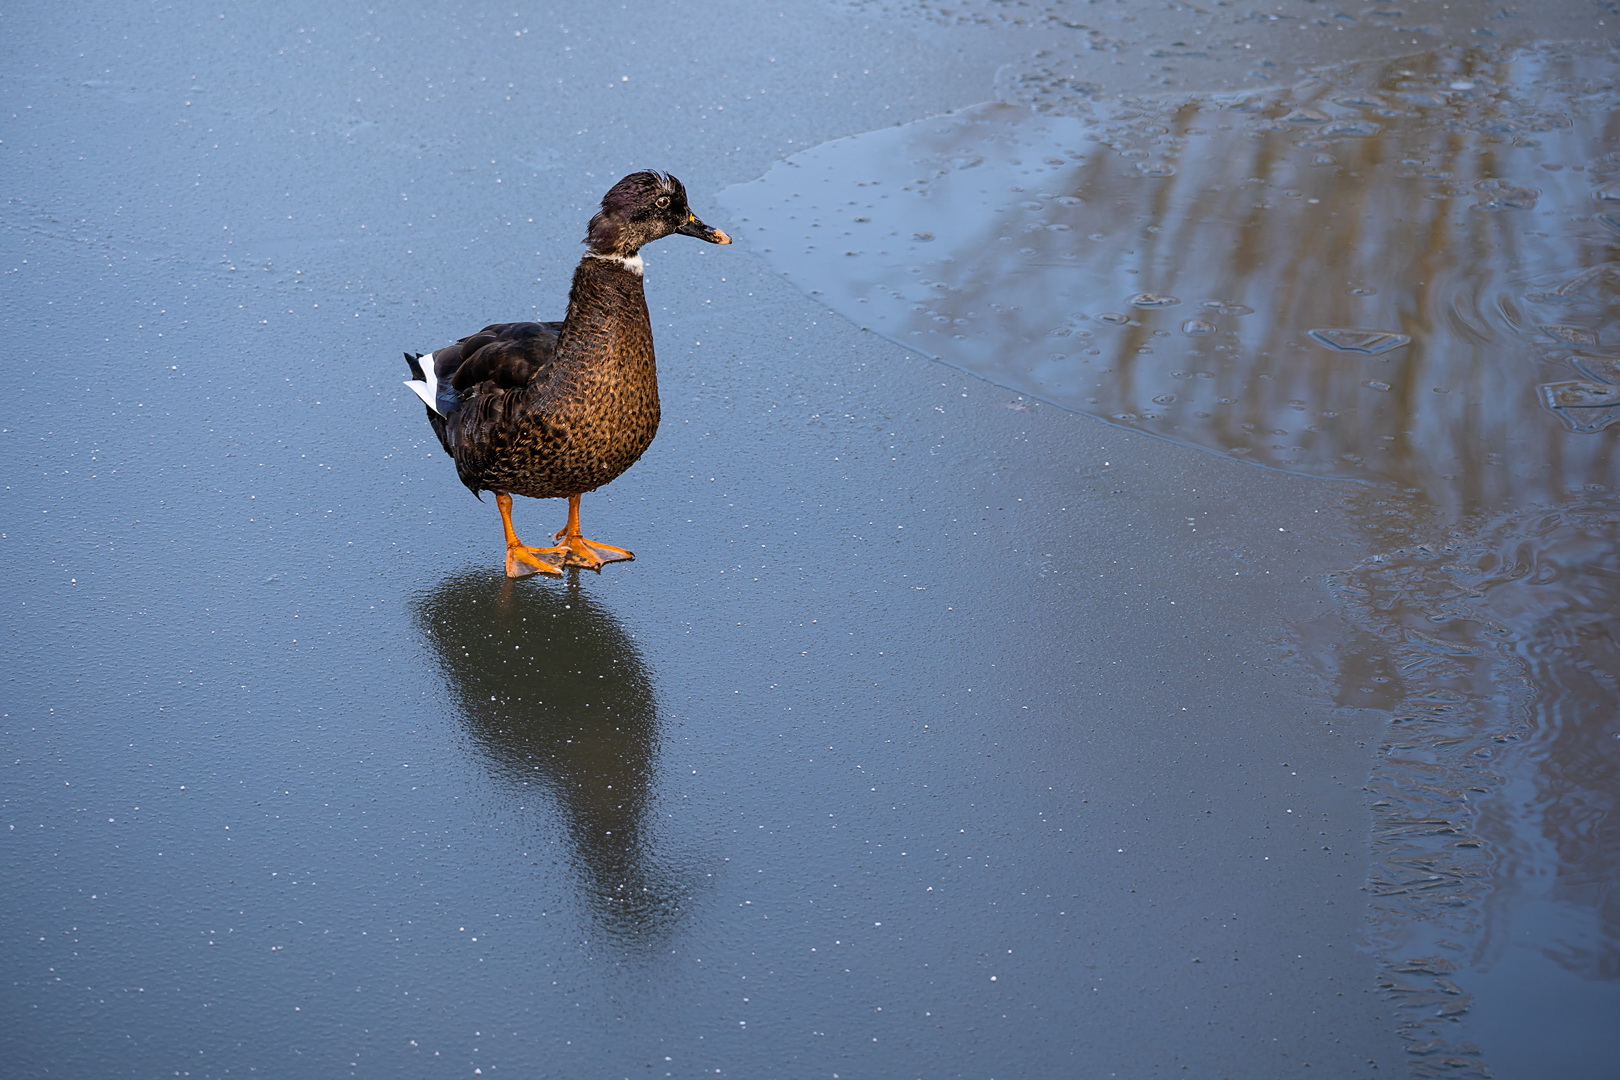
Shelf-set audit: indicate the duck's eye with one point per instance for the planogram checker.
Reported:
(663, 202)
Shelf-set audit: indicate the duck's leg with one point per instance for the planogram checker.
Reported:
(578, 551)
(521, 560)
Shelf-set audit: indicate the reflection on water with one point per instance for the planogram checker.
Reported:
(1401, 272)
(557, 696)
(1497, 800)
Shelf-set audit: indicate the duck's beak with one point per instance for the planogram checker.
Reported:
(694, 227)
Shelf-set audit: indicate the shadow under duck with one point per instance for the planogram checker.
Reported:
(553, 410)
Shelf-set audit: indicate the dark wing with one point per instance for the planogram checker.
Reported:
(505, 356)
(476, 379)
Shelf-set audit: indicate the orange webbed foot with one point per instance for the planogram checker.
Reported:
(524, 561)
(578, 551)
(521, 559)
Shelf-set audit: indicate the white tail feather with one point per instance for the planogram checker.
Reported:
(427, 387)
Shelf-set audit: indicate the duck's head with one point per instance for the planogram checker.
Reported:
(641, 208)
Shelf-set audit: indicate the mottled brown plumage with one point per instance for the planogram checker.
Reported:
(553, 410)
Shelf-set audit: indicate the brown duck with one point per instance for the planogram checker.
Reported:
(553, 410)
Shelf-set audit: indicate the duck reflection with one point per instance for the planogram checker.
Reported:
(557, 695)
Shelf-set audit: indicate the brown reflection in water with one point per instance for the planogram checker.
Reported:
(1402, 272)
(1553, 587)
(1496, 653)
(558, 698)
(1389, 273)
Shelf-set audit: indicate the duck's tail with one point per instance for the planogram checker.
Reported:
(424, 383)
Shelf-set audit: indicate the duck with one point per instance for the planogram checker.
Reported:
(552, 410)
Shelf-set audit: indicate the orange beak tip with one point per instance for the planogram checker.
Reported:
(720, 237)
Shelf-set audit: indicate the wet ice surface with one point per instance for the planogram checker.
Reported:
(296, 785)
(1397, 272)
(907, 754)
(1494, 652)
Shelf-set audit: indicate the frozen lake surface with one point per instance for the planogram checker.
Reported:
(939, 729)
